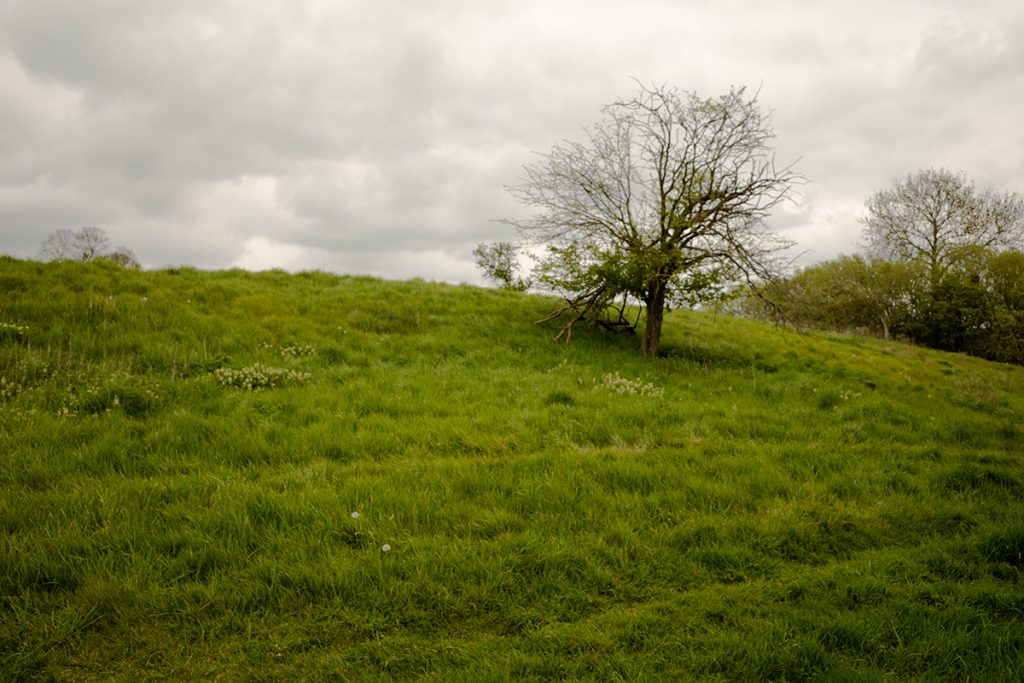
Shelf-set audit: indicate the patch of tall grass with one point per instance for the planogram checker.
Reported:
(441, 492)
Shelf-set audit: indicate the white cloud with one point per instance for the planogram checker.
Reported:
(260, 253)
(378, 138)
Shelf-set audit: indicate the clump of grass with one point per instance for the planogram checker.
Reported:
(131, 394)
(259, 376)
(560, 398)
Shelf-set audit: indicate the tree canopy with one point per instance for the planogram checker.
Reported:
(850, 293)
(977, 307)
(499, 263)
(937, 216)
(663, 202)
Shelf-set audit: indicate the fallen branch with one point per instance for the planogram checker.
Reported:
(586, 305)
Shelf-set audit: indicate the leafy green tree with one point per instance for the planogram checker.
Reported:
(665, 201)
(124, 257)
(955, 316)
(1006, 341)
(977, 308)
(499, 263)
(851, 292)
(1004, 277)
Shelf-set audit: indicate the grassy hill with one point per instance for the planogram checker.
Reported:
(240, 476)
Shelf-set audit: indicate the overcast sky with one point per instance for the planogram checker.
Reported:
(378, 137)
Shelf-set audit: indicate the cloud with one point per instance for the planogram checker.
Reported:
(380, 137)
(260, 253)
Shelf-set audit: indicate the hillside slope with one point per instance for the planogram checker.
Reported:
(286, 477)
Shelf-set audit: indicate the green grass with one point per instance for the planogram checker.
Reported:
(755, 504)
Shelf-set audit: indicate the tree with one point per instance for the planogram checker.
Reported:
(851, 292)
(957, 316)
(124, 257)
(664, 202)
(500, 264)
(81, 245)
(1004, 277)
(58, 245)
(936, 215)
(91, 243)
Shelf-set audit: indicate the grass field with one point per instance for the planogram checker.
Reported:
(235, 476)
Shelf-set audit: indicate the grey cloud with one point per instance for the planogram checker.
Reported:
(969, 56)
(368, 134)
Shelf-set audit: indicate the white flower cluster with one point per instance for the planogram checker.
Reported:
(258, 376)
(12, 330)
(8, 389)
(297, 350)
(81, 389)
(631, 387)
(290, 351)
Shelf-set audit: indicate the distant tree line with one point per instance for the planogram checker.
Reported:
(86, 244)
(942, 267)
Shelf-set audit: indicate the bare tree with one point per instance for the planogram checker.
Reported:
(664, 201)
(936, 215)
(91, 242)
(58, 245)
(85, 244)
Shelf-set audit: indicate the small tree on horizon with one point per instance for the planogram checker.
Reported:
(499, 263)
(85, 244)
(664, 202)
(124, 257)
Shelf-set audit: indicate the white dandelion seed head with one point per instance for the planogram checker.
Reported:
(355, 515)
(385, 548)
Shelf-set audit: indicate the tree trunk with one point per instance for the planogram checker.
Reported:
(655, 305)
